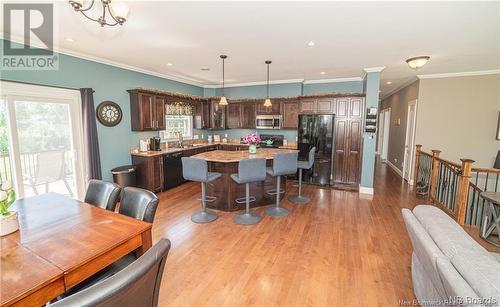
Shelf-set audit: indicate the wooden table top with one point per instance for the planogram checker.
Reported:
(223, 156)
(58, 234)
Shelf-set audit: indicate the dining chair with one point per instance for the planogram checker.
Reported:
(136, 285)
(102, 194)
(138, 203)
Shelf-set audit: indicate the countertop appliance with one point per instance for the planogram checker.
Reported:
(268, 121)
(317, 131)
(154, 144)
(271, 140)
(172, 170)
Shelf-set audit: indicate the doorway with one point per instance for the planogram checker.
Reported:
(41, 140)
(385, 123)
(410, 142)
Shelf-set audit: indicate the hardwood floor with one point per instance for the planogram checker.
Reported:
(340, 250)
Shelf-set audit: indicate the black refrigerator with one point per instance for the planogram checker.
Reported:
(317, 131)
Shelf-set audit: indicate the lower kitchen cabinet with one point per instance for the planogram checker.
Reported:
(149, 172)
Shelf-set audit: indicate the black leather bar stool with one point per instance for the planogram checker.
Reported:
(249, 170)
(283, 164)
(300, 199)
(197, 170)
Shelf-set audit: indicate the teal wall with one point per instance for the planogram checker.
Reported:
(371, 86)
(109, 83)
(259, 91)
(333, 87)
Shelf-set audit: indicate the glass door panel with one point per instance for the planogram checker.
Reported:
(5, 164)
(46, 148)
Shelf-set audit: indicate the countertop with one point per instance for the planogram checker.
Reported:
(165, 151)
(223, 156)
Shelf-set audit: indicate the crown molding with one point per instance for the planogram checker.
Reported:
(255, 83)
(17, 39)
(460, 74)
(374, 69)
(351, 79)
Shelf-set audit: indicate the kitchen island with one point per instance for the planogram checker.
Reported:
(226, 190)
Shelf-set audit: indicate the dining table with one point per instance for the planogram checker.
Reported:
(62, 241)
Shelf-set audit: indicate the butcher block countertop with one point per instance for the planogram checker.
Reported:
(223, 156)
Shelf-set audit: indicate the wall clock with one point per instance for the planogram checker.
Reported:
(109, 113)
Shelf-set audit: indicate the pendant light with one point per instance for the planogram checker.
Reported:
(223, 100)
(267, 102)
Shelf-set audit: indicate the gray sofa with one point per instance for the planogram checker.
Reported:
(449, 268)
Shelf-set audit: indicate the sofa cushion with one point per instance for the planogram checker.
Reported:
(450, 237)
(454, 284)
(425, 250)
(481, 273)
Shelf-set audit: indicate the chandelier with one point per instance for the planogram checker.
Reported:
(117, 11)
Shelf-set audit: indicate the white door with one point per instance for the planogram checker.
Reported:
(380, 132)
(44, 140)
(385, 140)
(410, 141)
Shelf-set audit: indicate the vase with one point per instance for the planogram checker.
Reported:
(252, 148)
(8, 223)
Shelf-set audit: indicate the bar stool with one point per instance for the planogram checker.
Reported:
(249, 170)
(299, 199)
(283, 164)
(197, 170)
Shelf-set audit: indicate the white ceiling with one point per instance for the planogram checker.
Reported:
(348, 36)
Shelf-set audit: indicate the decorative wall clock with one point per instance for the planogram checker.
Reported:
(109, 113)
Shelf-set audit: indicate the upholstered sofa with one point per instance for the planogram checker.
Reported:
(449, 268)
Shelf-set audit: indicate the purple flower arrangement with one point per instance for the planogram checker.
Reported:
(252, 139)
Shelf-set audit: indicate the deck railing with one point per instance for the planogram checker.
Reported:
(454, 187)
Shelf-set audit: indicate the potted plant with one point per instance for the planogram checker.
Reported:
(8, 219)
(252, 140)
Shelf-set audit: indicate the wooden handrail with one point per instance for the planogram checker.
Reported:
(456, 165)
(485, 170)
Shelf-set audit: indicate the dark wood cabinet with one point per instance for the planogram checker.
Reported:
(248, 115)
(290, 114)
(149, 172)
(348, 141)
(275, 109)
(234, 116)
(147, 111)
(320, 105)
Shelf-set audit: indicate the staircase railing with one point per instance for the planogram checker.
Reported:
(454, 187)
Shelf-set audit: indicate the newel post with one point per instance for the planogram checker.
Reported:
(417, 164)
(435, 166)
(463, 190)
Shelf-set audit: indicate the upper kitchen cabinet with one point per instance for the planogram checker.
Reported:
(201, 115)
(290, 112)
(147, 111)
(317, 105)
(248, 115)
(241, 115)
(218, 115)
(234, 115)
(275, 109)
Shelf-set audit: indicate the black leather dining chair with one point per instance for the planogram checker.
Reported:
(102, 194)
(137, 285)
(138, 203)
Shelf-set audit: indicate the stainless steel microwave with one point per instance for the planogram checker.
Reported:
(268, 121)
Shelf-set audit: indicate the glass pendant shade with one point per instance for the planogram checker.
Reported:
(120, 9)
(223, 101)
(268, 103)
(417, 62)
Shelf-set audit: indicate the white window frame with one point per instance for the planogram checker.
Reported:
(190, 125)
(12, 91)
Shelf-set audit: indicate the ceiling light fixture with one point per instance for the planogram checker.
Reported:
(69, 39)
(418, 62)
(322, 73)
(310, 44)
(223, 100)
(118, 11)
(389, 82)
(267, 102)
(170, 64)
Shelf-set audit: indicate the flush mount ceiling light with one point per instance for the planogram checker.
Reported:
(322, 73)
(389, 82)
(418, 62)
(310, 44)
(118, 11)
(223, 100)
(170, 64)
(267, 102)
(69, 39)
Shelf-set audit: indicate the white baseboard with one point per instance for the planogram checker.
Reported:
(399, 172)
(365, 190)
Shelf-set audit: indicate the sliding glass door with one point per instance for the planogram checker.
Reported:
(41, 140)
